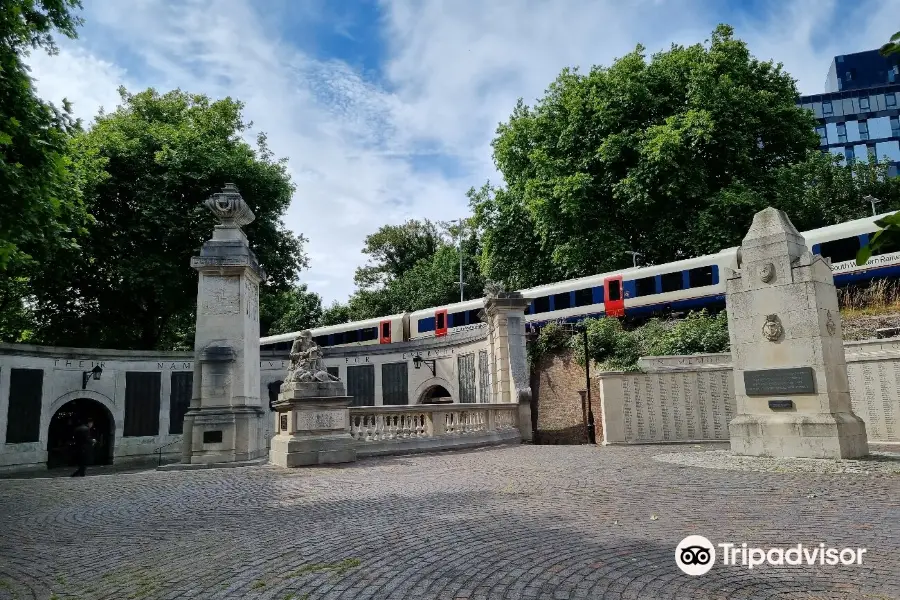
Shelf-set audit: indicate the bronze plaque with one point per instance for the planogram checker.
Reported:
(284, 422)
(776, 382)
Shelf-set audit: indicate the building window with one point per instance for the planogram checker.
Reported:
(895, 126)
(826, 108)
(871, 150)
(842, 132)
(848, 154)
(863, 130)
(823, 135)
(890, 100)
(864, 103)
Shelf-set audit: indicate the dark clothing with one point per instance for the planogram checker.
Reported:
(83, 446)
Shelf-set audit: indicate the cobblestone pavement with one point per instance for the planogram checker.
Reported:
(516, 522)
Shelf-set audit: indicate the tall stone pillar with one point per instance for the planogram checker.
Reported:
(225, 421)
(790, 373)
(507, 359)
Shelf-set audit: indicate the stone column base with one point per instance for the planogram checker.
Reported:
(304, 450)
(820, 435)
(226, 434)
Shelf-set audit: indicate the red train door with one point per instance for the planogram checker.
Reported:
(614, 301)
(384, 332)
(440, 322)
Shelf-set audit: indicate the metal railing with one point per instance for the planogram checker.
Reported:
(159, 452)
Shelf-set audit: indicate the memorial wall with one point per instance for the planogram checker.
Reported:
(691, 398)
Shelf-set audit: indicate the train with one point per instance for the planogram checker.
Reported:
(684, 285)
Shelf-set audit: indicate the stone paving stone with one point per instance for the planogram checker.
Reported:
(505, 523)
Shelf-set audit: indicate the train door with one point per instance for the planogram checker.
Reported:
(440, 322)
(384, 332)
(614, 303)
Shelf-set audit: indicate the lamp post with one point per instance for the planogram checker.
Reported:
(461, 282)
(634, 256)
(873, 200)
(418, 360)
(95, 372)
(587, 377)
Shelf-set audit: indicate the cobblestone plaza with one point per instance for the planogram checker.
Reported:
(512, 522)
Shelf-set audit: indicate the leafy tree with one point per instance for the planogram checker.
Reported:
(293, 309)
(162, 155)
(893, 46)
(336, 314)
(39, 197)
(395, 249)
(643, 155)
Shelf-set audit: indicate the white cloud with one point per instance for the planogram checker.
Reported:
(453, 71)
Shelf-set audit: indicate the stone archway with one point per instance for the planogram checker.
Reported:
(435, 394)
(60, 432)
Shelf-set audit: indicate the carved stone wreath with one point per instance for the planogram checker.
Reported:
(767, 272)
(772, 329)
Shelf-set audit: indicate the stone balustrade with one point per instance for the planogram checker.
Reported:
(381, 430)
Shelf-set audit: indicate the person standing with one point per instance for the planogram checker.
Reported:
(84, 444)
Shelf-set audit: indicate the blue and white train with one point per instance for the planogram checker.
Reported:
(689, 284)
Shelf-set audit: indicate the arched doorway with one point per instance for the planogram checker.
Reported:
(436, 394)
(61, 438)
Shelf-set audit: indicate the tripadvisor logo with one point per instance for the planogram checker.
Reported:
(696, 555)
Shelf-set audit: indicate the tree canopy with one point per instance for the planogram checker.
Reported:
(152, 163)
(668, 157)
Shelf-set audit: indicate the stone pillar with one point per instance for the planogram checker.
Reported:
(225, 421)
(790, 375)
(507, 360)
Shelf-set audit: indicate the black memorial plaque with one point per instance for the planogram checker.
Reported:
(781, 404)
(283, 422)
(212, 437)
(776, 382)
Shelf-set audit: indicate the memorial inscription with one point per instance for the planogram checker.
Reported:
(770, 382)
(781, 404)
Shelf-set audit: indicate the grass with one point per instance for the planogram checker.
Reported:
(881, 297)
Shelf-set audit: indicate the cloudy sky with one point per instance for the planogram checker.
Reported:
(386, 109)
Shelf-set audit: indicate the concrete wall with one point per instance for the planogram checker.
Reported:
(561, 414)
(691, 398)
(62, 381)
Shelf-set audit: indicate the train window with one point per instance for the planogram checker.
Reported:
(615, 290)
(368, 334)
(280, 346)
(425, 325)
(338, 338)
(542, 304)
(889, 244)
(439, 319)
(645, 286)
(840, 250)
(584, 297)
(321, 340)
(700, 276)
(351, 337)
(473, 316)
(672, 282)
(386, 330)
(562, 301)
(457, 319)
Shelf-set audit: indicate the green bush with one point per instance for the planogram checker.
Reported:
(614, 348)
(552, 339)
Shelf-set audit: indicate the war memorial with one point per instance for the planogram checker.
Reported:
(766, 473)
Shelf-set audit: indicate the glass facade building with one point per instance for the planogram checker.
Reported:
(859, 114)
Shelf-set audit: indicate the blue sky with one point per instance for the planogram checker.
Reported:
(386, 108)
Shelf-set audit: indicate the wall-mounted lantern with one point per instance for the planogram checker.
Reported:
(95, 372)
(418, 360)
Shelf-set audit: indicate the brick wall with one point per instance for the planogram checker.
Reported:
(560, 413)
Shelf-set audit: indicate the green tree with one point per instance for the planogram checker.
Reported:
(642, 155)
(892, 47)
(286, 311)
(39, 198)
(395, 249)
(162, 155)
(336, 314)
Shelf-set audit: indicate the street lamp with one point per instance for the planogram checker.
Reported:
(95, 372)
(634, 256)
(873, 200)
(461, 283)
(418, 360)
(592, 438)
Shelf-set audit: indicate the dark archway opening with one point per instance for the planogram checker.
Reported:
(61, 434)
(436, 394)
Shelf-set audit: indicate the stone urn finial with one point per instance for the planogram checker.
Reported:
(230, 208)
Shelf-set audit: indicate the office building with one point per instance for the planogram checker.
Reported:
(859, 113)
